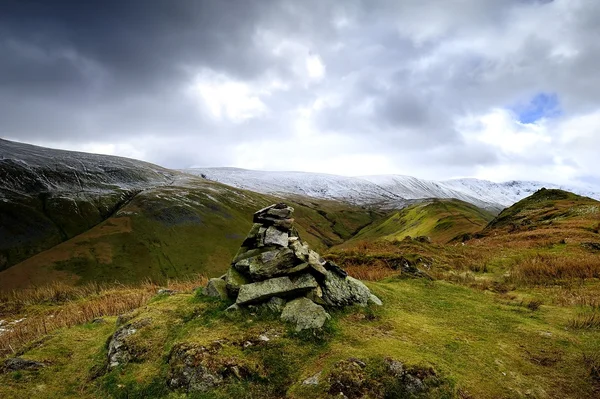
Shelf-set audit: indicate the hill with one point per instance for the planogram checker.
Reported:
(48, 196)
(548, 209)
(383, 191)
(192, 226)
(82, 217)
(439, 220)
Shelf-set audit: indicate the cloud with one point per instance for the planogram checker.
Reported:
(435, 89)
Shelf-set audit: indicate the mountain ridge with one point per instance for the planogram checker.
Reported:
(388, 191)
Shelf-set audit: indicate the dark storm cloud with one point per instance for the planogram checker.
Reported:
(186, 82)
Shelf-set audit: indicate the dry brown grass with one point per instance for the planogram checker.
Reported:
(371, 272)
(549, 269)
(69, 306)
(586, 321)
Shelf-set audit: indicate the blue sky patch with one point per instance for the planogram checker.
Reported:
(542, 105)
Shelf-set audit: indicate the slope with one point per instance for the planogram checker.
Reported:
(191, 226)
(48, 196)
(440, 220)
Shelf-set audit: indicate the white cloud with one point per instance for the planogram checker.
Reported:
(315, 67)
(225, 98)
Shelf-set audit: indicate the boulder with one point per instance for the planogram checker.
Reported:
(305, 314)
(340, 292)
(216, 288)
(279, 286)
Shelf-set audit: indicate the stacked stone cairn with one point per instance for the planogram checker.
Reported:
(275, 270)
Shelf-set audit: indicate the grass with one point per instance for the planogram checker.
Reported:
(481, 345)
(57, 306)
(441, 220)
(170, 232)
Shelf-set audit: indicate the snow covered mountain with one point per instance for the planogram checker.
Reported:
(383, 190)
(30, 169)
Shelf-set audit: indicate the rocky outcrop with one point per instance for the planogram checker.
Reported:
(119, 348)
(351, 378)
(273, 262)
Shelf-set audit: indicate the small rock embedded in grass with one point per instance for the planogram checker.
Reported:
(18, 364)
(166, 291)
(313, 380)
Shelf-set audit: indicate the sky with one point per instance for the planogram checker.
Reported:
(437, 89)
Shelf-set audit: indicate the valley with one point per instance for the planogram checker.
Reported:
(491, 290)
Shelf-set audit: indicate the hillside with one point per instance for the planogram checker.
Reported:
(191, 226)
(439, 220)
(548, 209)
(387, 191)
(48, 196)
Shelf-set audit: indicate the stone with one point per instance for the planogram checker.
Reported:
(216, 288)
(374, 300)
(394, 367)
(275, 304)
(260, 242)
(305, 314)
(119, 351)
(279, 286)
(245, 253)
(284, 224)
(273, 212)
(271, 264)
(340, 292)
(281, 213)
(316, 295)
(329, 265)
(314, 380)
(165, 291)
(189, 369)
(233, 281)
(316, 262)
(300, 249)
(274, 236)
(18, 364)
(253, 236)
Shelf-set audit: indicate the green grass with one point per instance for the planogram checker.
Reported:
(484, 345)
(177, 231)
(441, 220)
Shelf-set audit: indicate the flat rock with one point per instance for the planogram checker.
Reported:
(339, 291)
(316, 262)
(271, 264)
(305, 314)
(279, 286)
(274, 236)
(216, 288)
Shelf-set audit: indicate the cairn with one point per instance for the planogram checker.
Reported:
(276, 271)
